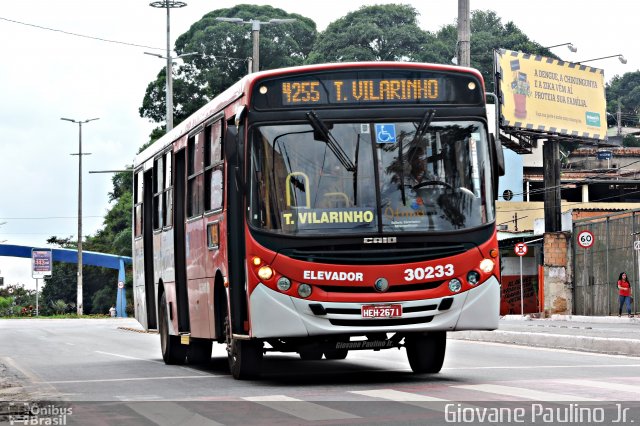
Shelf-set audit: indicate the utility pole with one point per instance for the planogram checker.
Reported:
(169, 4)
(79, 154)
(464, 34)
(255, 35)
(552, 193)
(619, 118)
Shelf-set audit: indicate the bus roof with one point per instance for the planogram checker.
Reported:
(243, 86)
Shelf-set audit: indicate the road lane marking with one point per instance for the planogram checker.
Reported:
(394, 395)
(170, 413)
(512, 391)
(129, 357)
(301, 409)
(192, 370)
(541, 348)
(528, 367)
(128, 379)
(619, 387)
(414, 399)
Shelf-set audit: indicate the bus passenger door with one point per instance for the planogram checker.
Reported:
(179, 216)
(147, 242)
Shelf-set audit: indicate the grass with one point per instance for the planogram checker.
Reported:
(58, 316)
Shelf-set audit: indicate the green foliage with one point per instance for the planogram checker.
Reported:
(6, 305)
(103, 299)
(488, 33)
(60, 286)
(372, 33)
(59, 306)
(223, 48)
(624, 92)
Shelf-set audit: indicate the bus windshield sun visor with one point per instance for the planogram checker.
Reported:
(321, 128)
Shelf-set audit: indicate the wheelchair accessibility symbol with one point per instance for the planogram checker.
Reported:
(385, 133)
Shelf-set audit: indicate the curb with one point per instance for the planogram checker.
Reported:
(575, 318)
(615, 346)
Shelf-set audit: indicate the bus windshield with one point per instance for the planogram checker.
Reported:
(370, 177)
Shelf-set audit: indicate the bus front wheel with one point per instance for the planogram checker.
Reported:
(426, 351)
(244, 356)
(173, 352)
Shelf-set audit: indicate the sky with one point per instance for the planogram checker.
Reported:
(46, 75)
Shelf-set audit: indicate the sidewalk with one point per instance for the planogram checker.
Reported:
(611, 335)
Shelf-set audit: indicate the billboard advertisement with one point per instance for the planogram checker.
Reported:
(41, 263)
(550, 96)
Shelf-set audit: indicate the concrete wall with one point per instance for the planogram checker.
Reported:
(558, 280)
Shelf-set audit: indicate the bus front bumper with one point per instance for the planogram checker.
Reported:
(275, 315)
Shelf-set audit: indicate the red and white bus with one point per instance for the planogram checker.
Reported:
(319, 210)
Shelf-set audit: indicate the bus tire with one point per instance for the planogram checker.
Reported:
(173, 352)
(245, 358)
(199, 351)
(426, 351)
(311, 354)
(336, 354)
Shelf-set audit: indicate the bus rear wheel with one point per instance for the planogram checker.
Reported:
(244, 356)
(426, 351)
(173, 352)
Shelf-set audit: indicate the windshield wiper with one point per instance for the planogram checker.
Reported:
(324, 132)
(420, 132)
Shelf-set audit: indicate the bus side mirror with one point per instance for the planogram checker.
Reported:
(499, 155)
(498, 161)
(231, 144)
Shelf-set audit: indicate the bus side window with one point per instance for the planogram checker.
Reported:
(213, 167)
(138, 204)
(195, 175)
(167, 197)
(158, 189)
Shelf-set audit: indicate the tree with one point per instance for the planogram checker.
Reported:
(372, 33)
(624, 92)
(488, 33)
(223, 49)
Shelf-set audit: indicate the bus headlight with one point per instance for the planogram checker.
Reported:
(304, 290)
(265, 273)
(486, 265)
(473, 277)
(455, 285)
(284, 284)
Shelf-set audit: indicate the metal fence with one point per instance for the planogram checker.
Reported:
(596, 269)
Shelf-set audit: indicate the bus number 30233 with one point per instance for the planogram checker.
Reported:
(428, 272)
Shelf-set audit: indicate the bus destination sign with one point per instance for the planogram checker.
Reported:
(367, 88)
(354, 91)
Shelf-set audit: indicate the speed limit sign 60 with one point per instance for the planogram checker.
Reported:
(585, 239)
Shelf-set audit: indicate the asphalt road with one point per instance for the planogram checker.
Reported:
(110, 372)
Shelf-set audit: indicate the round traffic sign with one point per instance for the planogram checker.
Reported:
(521, 249)
(120, 284)
(586, 239)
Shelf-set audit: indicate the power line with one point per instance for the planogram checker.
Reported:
(79, 35)
(44, 218)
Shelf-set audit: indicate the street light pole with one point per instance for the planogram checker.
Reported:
(569, 45)
(255, 35)
(168, 4)
(79, 154)
(619, 56)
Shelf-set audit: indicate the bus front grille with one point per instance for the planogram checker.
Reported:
(366, 255)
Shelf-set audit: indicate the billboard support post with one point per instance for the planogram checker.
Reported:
(552, 193)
